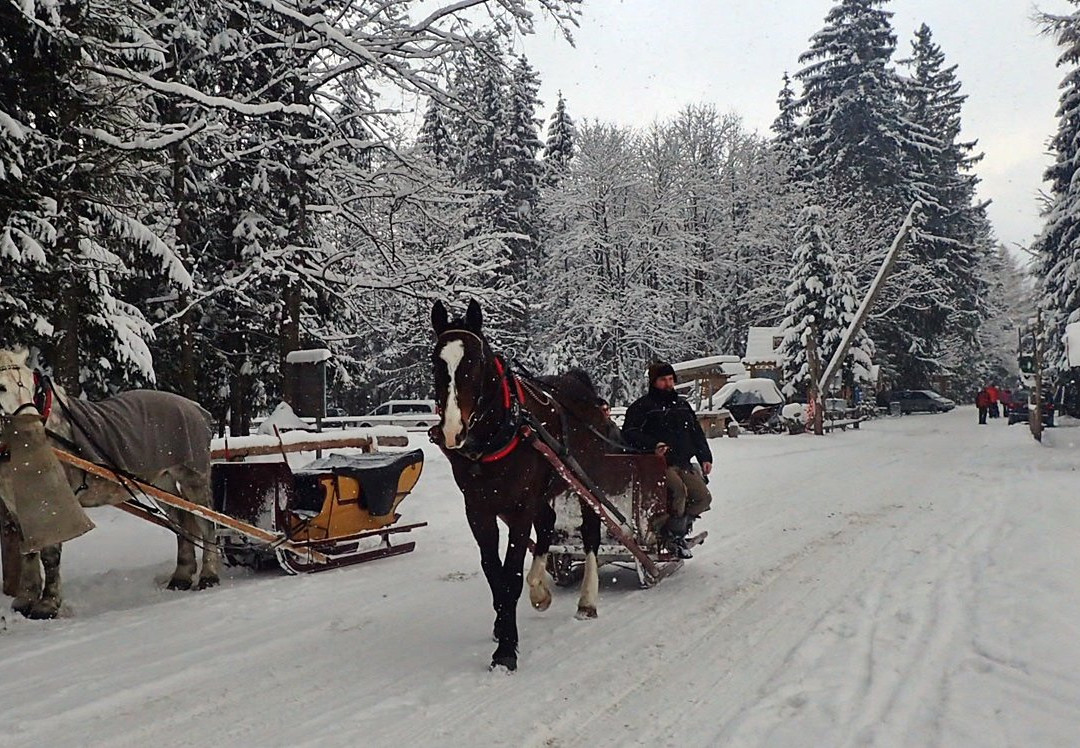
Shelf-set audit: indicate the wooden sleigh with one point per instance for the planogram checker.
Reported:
(628, 538)
(334, 512)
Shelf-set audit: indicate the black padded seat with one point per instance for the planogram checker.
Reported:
(377, 474)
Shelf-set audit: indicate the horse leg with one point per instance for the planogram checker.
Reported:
(512, 574)
(48, 605)
(590, 584)
(485, 530)
(210, 573)
(196, 488)
(185, 529)
(185, 550)
(29, 584)
(537, 579)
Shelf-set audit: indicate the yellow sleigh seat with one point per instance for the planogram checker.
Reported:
(344, 494)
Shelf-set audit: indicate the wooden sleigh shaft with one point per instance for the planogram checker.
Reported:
(652, 571)
(257, 533)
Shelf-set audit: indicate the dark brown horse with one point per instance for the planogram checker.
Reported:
(483, 408)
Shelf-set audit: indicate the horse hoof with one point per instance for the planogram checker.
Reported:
(208, 582)
(43, 611)
(22, 605)
(505, 656)
(504, 661)
(585, 612)
(542, 603)
(178, 584)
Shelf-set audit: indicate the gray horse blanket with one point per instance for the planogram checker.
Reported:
(143, 431)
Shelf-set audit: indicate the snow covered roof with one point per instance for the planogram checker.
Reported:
(1072, 343)
(308, 356)
(762, 345)
(698, 363)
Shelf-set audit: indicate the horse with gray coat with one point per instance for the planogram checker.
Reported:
(158, 438)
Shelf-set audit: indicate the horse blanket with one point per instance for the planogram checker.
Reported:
(142, 432)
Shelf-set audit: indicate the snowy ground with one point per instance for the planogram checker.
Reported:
(912, 583)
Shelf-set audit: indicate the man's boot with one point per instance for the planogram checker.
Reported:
(690, 519)
(676, 528)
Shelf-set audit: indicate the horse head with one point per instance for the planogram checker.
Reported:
(462, 362)
(16, 381)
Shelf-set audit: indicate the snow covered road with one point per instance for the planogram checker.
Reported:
(912, 583)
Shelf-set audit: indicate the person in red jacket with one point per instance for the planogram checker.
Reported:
(982, 402)
(995, 396)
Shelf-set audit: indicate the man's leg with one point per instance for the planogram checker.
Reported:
(674, 529)
(677, 491)
(699, 499)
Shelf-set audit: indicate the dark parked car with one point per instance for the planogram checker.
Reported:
(1019, 408)
(921, 401)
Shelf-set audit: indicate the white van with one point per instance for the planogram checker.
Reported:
(407, 413)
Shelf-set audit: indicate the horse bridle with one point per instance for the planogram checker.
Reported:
(507, 433)
(41, 397)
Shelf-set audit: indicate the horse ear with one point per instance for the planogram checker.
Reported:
(439, 318)
(473, 317)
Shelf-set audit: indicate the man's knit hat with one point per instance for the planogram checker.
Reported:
(659, 369)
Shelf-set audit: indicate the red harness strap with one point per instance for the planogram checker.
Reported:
(495, 456)
(43, 397)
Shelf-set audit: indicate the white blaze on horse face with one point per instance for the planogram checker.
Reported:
(452, 353)
(16, 381)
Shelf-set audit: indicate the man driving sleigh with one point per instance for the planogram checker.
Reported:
(663, 422)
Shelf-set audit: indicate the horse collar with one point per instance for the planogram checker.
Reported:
(512, 423)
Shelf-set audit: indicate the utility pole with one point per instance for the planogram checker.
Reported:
(814, 388)
(1035, 419)
(871, 295)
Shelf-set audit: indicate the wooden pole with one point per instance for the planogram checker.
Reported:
(330, 442)
(251, 531)
(871, 296)
(814, 388)
(1035, 419)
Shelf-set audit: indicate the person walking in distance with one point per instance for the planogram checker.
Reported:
(982, 402)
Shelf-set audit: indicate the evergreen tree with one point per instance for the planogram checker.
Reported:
(813, 276)
(843, 303)
(523, 169)
(1058, 245)
(72, 233)
(784, 126)
(560, 142)
(435, 136)
(853, 132)
(953, 238)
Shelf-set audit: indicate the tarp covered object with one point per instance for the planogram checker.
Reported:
(34, 489)
(754, 391)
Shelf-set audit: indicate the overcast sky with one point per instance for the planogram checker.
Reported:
(638, 60)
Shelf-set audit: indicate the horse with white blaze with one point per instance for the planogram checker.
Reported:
(488, 413)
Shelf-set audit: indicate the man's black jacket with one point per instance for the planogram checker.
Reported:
(663, 416)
